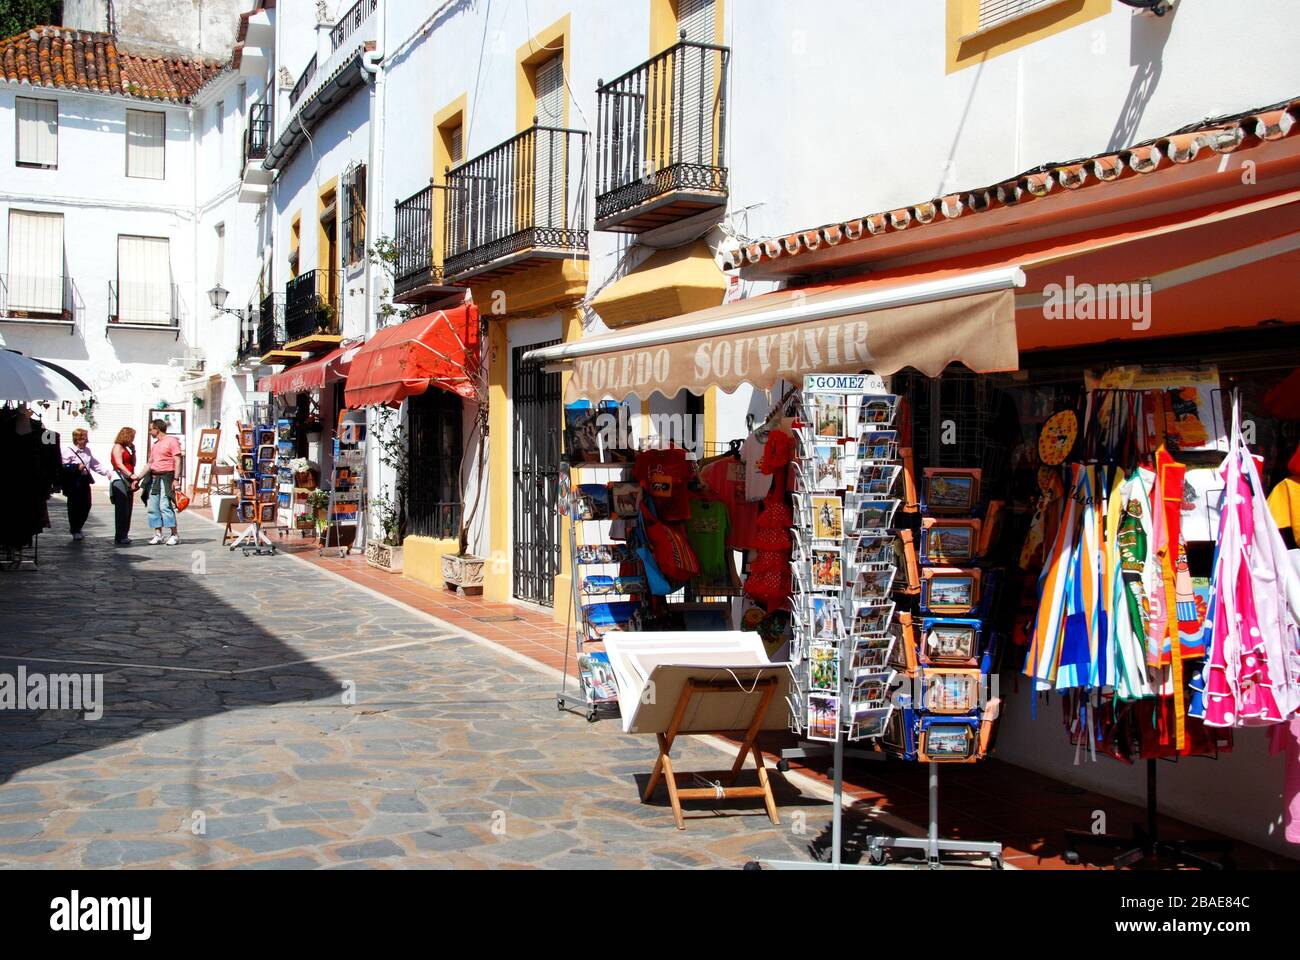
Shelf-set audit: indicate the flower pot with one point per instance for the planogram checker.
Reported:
(384, 557)
(463, 574)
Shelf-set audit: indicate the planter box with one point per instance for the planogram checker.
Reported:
(384, 557)
(463, 574)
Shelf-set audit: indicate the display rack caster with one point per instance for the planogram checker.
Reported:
(876, 856)
(591, 715)
(752, 865)
(783, 765)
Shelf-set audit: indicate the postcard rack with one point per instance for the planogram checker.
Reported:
(605, 595)
(257, 482)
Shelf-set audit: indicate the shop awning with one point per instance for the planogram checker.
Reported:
(438, 349)
(311, 375)
(842, 328)
(666, 284)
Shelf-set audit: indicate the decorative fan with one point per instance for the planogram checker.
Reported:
(1057, 439)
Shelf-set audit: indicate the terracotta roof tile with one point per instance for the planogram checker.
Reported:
(81, 60)
(1185, 146)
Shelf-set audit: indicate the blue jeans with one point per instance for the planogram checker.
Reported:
(162, 503)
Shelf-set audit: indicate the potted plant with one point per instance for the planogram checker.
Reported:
(318, 502)
(385, 551)
(304, 474)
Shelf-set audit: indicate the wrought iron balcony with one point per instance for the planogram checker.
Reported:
(40, 300)
(257, 138)
(521, 201)
(249, 349)
(351, 21)
(417, 277)
(311, 306)
(144, 305)
(661, 139)
(270, 324)
(304, 81)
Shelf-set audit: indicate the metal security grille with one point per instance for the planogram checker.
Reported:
(434, 433)
(536, 475)
(994, 12)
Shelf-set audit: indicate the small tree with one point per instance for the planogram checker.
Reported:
(394, 447)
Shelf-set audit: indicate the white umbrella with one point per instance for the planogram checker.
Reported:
(23, 380)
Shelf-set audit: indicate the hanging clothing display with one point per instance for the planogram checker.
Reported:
(32, 469)
(769, 574)
(1252, 674)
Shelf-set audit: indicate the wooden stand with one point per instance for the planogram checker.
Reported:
(664, 765)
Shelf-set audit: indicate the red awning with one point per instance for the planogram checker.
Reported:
(439, 348)
(312, 375)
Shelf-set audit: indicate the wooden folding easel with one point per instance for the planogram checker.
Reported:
(664, 765)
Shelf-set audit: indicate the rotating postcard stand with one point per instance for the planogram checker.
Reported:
(343, 515)
(258, 489)
(844, 566)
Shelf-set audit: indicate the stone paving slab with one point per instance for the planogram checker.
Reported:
(261, 714)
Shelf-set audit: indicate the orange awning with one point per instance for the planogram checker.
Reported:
(312, 375)
(439, 348)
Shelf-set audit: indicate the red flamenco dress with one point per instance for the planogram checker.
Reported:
(769, 574)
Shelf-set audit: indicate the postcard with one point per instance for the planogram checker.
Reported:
(823, 667)
(874, 548)
(871, 654)
(828, 416)
(827, 467)
(826, 619)
(875, 582)
(871, 688)
(823, 717)
(874, 515)
(877, 410)
(878, 445)
(873, 617)
(827, 570)
(876, 479)
(828, 518)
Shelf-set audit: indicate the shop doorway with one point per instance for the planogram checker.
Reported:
(537, 421)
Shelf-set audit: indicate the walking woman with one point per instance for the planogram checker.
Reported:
(79, 467)
(123, 483)
(161, 472)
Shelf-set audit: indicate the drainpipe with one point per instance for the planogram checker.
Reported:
(373, 74)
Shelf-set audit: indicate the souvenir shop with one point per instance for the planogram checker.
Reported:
(957, 515)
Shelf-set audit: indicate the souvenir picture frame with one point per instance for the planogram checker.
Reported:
(248, 488)
(950, 542)
(903, 654)
(203, 476)
(951, 691)
(827, 518)
(247, 464)
(208, 442)
(952, 643)
(266, 514)
(951, 491)
(948, 741)
(823, 717)
(625, 499)
(829, 414)
(953, 591)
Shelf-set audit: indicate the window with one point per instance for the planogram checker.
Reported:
(550, 146)
(433, 499)
(456, 143)
(354, 215)
(144, 280)
(38, 133)
(145, 144)
(35, 281)
(997, 12)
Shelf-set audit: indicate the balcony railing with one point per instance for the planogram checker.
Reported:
(300, 87)
(143, 305)
(270, 324)
(249, 349)
(661, 131)
(351, 22)
(257, 139)
(310, 306)
(32, 299)
(413, 243)
(522, 199)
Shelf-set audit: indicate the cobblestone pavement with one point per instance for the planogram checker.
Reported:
(259, 712)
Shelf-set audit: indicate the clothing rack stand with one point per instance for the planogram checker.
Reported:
(1144, 844)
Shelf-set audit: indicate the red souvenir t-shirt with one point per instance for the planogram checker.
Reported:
(663, 475)
(726, 478)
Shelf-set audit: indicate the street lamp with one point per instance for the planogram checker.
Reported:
(217, 297)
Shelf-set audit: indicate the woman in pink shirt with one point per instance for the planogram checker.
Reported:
(161, 469)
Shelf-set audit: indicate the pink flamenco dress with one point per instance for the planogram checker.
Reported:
(769, 573)
(1252, 673)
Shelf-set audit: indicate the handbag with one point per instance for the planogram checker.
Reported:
(182, 501)
(655, 580)
(671, 550)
